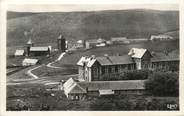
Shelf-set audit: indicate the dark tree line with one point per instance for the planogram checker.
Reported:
(163, 84)
(127, 75)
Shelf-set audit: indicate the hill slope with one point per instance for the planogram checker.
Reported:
(90, 25)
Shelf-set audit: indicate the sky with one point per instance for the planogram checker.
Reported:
(87, 7)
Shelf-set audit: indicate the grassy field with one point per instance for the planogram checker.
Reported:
(57, 74)
(71, 59)
(36, 97)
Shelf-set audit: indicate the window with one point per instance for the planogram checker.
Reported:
(106, 69)
(103, 70)
(113, 68)
(129, 67)
(109, 69)
(95, 71)
(116, 68)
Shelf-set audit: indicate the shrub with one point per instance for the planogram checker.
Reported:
(127, 75)
(163, 84)
(136, 75)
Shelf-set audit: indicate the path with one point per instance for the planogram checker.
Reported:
(59, 58)
(42, 80)
(29, 72)
(35, 78)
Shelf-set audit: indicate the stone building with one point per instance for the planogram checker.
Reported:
(94, 68)
(161, 37)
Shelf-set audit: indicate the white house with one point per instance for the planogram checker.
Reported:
(19, 53)
(29, 62)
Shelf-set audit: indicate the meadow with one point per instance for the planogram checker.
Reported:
(160, 46)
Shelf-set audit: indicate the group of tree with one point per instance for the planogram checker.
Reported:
(163, 84)
(139, 103)
(127, 75)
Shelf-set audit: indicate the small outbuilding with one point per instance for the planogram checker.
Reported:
(19, 53)
(38, 51)
(80, 90)
(29, 62)
(73, 90)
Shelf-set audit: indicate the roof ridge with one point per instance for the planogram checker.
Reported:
(80, 87)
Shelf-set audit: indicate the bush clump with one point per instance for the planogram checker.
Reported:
(163, 84)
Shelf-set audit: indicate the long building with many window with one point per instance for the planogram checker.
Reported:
(95, 68)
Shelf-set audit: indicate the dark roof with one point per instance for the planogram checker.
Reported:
(171, 56)
(114, 60)
(113, 85)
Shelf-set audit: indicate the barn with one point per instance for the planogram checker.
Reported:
(19, 52)
(81, 90)
(38, 51)
(29, 62)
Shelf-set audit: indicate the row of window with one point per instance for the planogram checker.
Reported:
(117, 68)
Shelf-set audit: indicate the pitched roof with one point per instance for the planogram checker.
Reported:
(118, 38)
(30, 61)
(160, 56)
(137, 52)
(113, 85)
(29, 41)
(95, 41)
(106, 92)
(68, 83)
(61, 37)
(88, 60)
(19, 52)
(70, 86)
(114, 60)
(39, 48)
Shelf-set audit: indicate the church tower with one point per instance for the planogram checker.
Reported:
(29, 45)
(61, 43)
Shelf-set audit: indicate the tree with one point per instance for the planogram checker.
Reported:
(163, 84)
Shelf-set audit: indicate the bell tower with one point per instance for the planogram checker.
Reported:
(29, 45)
(61, 43)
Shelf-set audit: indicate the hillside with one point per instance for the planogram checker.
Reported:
(173, 33)
(89, 25)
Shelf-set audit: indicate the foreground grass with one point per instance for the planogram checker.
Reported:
(37, 97)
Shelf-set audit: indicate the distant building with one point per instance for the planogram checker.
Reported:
(80, 90)
(91, 43)
(137, 40)
(39, 51)
(94, 43)
(19, 53)
(109, 43)
(118, 39)
(161, 37)
(29, 62)
(61, 43)
(95, 68)
(29, 45)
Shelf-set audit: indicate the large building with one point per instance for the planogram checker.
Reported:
(161, 37)
(37, 50)
(81, 90)
(95, 68)
(94, 43)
